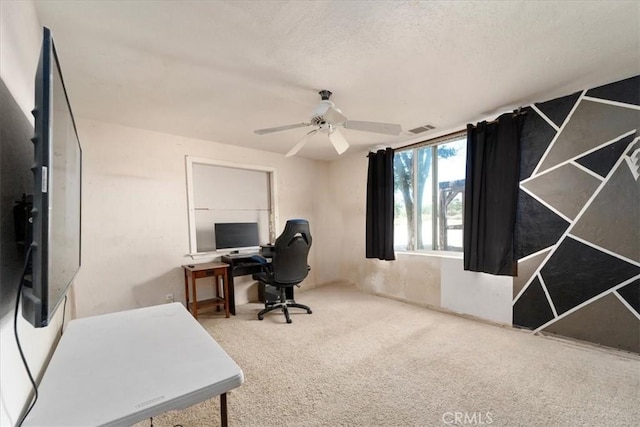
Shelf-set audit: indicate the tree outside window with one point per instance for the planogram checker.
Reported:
(429, 195)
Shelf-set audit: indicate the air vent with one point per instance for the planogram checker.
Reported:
(421, 129)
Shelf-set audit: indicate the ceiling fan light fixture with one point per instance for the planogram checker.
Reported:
(327, 118)
(338, 140)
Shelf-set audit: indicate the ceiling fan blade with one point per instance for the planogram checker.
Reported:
(281, 128)
(338, 141)
(301, 143)
(376, 127)
(334, 116)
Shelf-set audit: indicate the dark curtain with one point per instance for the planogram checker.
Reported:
(491, 195)
(380, 206)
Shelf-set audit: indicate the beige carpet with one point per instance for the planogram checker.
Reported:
(362, 360)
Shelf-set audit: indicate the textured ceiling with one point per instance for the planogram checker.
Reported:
(218, 70)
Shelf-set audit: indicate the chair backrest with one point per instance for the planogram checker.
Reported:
(291, 249)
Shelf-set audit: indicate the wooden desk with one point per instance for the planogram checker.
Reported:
(120, 368)
(216, 270)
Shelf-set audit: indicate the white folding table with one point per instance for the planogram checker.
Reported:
(121, 368)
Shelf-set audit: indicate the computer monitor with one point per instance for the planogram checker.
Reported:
(236, 235)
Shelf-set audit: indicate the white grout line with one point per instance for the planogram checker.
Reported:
(555, 138)
(587, 170)
(606, 251)
(523, 290)
(530, 281)
(525, 258)
(546, 292)
(526, 285)
(626, 304)
(547, 205)
(609, 102)
(587, 302)
(544, 116)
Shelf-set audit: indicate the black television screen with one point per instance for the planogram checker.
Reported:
(236, 235)
(55, 249)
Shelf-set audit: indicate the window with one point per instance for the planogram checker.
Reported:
(222, 192)
(434, 172)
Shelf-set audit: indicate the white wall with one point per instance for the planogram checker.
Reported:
(424, 279)
(135, 221)
(20, 39)
(135, 232)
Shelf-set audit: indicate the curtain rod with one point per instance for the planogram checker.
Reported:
(516, 113)
(425, 142)
(452, 135)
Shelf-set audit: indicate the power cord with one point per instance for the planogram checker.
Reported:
(15, 332)
(64, 312)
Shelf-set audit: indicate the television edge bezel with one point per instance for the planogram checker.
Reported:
(37, 309)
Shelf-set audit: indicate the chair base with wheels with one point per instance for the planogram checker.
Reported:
(284, 305)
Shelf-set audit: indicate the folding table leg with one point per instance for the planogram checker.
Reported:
(223, 410)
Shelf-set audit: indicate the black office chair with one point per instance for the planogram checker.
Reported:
(289, 265)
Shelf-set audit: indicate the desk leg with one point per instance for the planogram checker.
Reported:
(232, 296)
(225, 287)
(216, 282)
(223, 410)
(186, 289)
(195, 297)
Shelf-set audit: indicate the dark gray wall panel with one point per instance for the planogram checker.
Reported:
(631, 294)
(532, 309)
(605, 321)
(566, 188)
(592, 124)
(537, 227)
(612, 221)
(602, 160)
(626, 91)
(558, 109)
(536, 135)
(577, 272)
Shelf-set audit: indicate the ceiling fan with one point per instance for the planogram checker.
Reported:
(327, 119)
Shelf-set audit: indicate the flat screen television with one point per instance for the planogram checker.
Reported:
(57, 169)
(236, 235)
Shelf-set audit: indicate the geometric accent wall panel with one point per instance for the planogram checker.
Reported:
(537, 227)
(526, 269)
(625, 91)
(535, 136)
(532, 309)
(601, 249)
(601, 161)
(605, 321)
(576, 273)
(558, 109)
(566, 188)
(612, 221)
(591, 125)
(631, 294)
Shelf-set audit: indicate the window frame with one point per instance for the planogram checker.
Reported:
(272, 196)
(431, 143)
